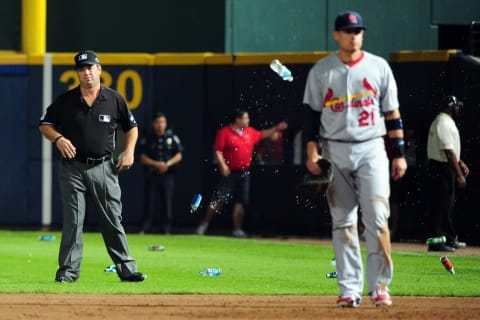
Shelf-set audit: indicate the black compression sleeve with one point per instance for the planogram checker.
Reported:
(311, 124)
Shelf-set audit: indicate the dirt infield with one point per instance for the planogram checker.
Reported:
(179, 307)
(183, 307)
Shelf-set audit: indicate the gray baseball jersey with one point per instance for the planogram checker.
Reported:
(352, 97)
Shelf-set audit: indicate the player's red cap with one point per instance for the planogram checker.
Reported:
(349, 20)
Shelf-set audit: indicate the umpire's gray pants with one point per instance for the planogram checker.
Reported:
(100, 183)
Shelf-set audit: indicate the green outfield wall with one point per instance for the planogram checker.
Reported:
(234, 26)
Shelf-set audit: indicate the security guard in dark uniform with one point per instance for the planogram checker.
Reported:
(82, 124)
(160, 153)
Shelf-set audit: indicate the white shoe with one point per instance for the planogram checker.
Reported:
(201, 229)
(239, 233)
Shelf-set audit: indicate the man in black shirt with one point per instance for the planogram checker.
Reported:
(82, 124)
(160, 152)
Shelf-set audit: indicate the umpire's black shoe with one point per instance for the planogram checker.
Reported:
(135, 277)
(64, 279)
(441, 247)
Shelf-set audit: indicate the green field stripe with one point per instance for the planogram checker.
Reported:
(249, 266)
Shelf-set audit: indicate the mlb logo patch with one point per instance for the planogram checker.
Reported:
(104, 118)
(82, 57)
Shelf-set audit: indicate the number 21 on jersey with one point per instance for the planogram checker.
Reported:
(366, 118)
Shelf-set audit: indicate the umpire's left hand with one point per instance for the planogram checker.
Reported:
(125, 162)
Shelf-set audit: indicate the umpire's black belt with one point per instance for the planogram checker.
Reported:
(91, 161)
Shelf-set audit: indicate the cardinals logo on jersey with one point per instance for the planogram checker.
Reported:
(356, 100)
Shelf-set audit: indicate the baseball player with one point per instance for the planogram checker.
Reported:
(351, 99)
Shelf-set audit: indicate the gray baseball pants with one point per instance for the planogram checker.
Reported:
(100, 183)
(361, 178)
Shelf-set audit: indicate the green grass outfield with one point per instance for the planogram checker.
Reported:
(248, 267)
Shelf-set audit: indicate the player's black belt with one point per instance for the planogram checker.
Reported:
(350, 141)
(91, 161)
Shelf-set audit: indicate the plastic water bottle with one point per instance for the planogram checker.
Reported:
(210, 272)
(447, 264)
(46, 238)
(196, 202)
(436, 240)
(333, 263)
(281, 70)
(111, 268)
(156, 248)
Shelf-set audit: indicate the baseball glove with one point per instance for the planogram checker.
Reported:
(317, 183)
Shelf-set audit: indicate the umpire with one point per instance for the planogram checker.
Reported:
(160, 153)
(82, 125)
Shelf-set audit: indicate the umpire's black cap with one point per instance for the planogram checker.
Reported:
(86, 57)
(349, 20)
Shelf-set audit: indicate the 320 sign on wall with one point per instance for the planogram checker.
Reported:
(125, 79)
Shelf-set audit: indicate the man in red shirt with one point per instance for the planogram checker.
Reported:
(233, 152)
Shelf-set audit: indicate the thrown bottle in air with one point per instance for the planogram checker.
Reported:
(195, 202)
(281, 70)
